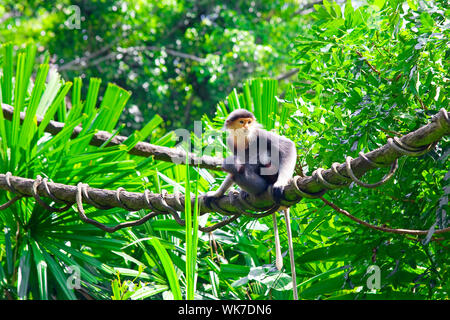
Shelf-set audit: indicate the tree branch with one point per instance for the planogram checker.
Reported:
(235, 203)
(142, 149)
(384, 229)
(83, 62)
(287, 74)
(307, 7)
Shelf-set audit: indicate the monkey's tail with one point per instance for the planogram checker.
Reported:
(278, 257)
(291, 252)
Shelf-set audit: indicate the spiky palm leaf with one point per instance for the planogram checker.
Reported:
(44, 250)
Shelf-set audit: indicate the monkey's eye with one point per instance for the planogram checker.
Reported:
(241, 122)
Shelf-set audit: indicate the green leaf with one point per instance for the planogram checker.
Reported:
(52, 105)
(427, 22)
(233, 270)
(166, 225)
(142, 134)
(41, 270)
(77, 104)
(51, 90)
(146, 292)
(117, 294)
(3, 280)
(335, 252)
(132, 273)
(20, 90)
(113, 102)
(8, 249)
(412, 4)
(23, 272)
(319, 276)
(191, 233)
(348, 12)
(60, 276)
(323, 287)
(29, 125)
(168, 268)
(88, 260)
(7, 83)
(379, 4)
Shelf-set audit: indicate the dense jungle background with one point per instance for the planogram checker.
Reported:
(337, 78)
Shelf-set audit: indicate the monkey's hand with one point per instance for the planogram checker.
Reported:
(278, 190)
(211, 196)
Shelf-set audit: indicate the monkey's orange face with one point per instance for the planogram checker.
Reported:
(241, 123)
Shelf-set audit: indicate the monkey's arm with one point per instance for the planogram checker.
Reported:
(226, 184)
(232, 167)
(288, 158)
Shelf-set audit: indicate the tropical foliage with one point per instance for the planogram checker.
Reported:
(180, 58)
(364, 74)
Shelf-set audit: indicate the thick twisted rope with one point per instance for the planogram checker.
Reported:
(235, 204)
(82, 194)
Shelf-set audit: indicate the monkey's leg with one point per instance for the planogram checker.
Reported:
(291, 252)
(278, 257)
(226, 184)
(211, 195)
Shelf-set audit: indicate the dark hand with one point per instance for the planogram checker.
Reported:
(277, 193)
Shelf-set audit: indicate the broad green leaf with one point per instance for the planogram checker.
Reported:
(23, 272)
(41, 266)
(147, 291)
(168, 268)
(233, 270)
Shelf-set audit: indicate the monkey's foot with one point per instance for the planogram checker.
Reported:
(277, 193)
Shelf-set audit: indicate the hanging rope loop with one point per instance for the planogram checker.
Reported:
(317, 175)
(82, 191)
(336, 172)
(17, 196)
(36, 196)
(8, 203)
(370, 162)
(242, 199)
(305, 194)
(9, 184)
(396, 144)
(386, 178)
(122, 204)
